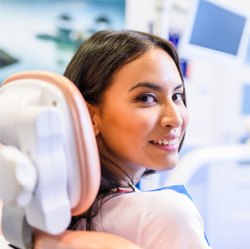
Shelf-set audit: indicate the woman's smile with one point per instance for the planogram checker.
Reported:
(169, 145)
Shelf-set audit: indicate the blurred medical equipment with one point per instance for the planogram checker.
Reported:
(49, 163)
(218, 179)
(194, 160)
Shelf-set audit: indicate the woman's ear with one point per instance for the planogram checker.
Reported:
(94, 114)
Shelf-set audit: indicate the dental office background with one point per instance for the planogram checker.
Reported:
(212, 37)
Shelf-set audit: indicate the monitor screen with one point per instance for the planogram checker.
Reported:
(216, 28)
(6, 59)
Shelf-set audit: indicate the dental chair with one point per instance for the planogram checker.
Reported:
(49, 164)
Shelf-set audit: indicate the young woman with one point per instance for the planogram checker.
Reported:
(135, 93)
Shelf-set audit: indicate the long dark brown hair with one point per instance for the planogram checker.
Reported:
(92, 69)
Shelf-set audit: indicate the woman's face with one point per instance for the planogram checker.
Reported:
(142, 118)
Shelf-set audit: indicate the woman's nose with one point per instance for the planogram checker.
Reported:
(171, 116)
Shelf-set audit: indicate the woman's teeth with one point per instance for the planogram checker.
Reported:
(166, 142)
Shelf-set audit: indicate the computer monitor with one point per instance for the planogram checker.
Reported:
(215, 29)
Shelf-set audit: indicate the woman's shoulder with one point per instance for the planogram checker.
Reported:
(167, 197)
(165, 204)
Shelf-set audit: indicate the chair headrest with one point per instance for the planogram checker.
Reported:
(46, 118)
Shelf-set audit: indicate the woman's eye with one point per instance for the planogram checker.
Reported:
(146, 98)
(178, 97)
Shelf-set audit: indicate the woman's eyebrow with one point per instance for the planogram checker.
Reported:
(146, 84)
(179, 86)
(153, 86)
